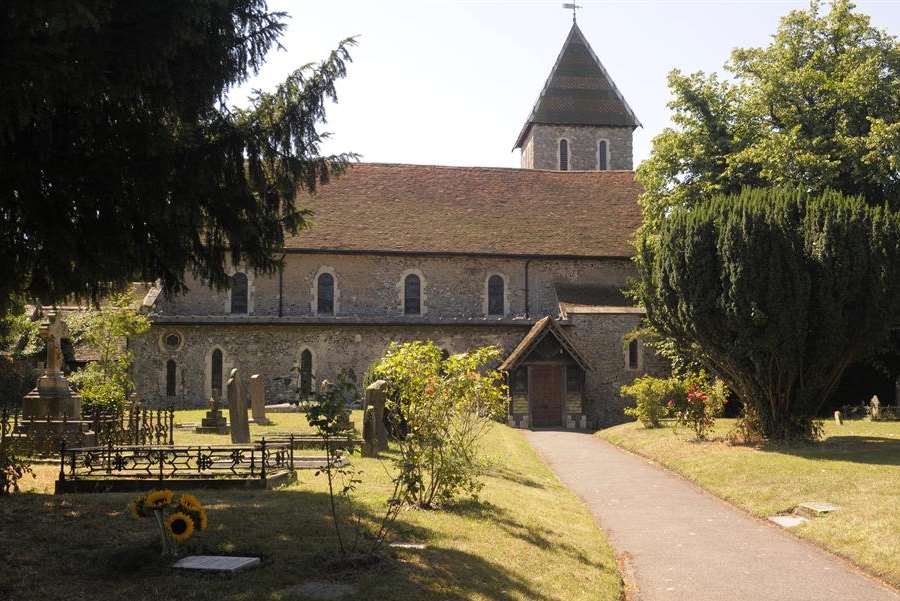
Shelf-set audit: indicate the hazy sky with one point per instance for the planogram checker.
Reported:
(451, 82)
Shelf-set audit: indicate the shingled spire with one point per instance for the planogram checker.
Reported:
(579, 93)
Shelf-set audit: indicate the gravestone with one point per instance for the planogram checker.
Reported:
(237, 410)
(375, 397)
(214, 422)
(258, 400)
(369, 443)
(52, 395)
(838, 419)
(875, 407)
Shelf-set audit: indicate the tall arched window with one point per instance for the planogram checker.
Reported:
(306, 370)
(215, 373)
(563, 155)
(239, 293)
(602, 155)
(412, 295)
(495, 295)
(170, 377)
(634, 355)
(325, 294)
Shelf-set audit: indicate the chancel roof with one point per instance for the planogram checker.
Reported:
(375, 207)
(579, 91)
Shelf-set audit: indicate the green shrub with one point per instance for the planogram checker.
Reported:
(446, 407)
(653, 398)
(702, 404)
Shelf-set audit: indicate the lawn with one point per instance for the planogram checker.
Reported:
(526, 538)
(856, 467)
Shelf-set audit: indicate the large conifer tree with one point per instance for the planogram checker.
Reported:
(119, 158)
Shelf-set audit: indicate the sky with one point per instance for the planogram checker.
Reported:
(451, 82)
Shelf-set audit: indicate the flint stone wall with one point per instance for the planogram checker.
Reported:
(541, 147)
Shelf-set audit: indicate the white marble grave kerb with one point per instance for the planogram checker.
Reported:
(216, 563)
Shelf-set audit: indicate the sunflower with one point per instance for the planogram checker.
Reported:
(158, 499)
(180, 526)
(202, 522)
(190, 502)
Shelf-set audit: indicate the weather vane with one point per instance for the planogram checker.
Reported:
(574, 7)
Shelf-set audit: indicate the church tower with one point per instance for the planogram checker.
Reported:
(580, 121)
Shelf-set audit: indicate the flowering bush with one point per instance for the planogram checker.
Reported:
(655, 398)
(184, 517)
(702, 404)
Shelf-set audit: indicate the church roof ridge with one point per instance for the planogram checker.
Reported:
(593, 172)
(579, 91)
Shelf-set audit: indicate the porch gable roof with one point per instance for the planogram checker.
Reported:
(542, 328)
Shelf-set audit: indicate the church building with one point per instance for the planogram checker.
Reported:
(531, 259)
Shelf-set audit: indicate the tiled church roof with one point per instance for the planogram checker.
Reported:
(579, 91)
(478, 210)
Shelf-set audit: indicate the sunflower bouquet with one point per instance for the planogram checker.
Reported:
(177, 520)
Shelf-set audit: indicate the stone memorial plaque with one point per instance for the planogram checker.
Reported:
(216, 563)
(816, 508)
(788, 521)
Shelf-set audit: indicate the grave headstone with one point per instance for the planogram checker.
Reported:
(838, 419)
(875, 407)
(369, 443)
(214, 422)
(52, 395)
(237, 410)
(258, 400)
(375, 397)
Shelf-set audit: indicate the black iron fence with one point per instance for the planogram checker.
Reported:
(174, 462)
(312, 441)
(43, 435)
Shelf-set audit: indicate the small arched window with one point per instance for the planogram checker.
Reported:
(412, 295)
(495, 296)
(239, 293)
(325, 294)
(563, 155)
(306, 371)
(634, 354)
(170, 377)
(602, 155)
(215, 371)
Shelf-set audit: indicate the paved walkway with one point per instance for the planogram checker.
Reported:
(683, 544)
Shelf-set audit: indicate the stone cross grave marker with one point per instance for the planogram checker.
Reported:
(258, 400)
(237, 410)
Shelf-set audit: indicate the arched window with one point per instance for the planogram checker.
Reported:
(239, 293)
(495, 296)
(602, 155)
(306, 370)
(215, 371)
(325, 294)
(412, 295)
(563, 155)
(170, 377)
(634, 354)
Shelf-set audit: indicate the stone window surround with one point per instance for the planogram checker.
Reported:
(227, 366)
(163, 378)
(163, 347)
(250, 290)
(608, 154)
(485, 301)
(314, 291)
(401, 289)
(640, 356)
(568, 153)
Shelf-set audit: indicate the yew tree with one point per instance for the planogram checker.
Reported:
(120, 157)
(781, 290)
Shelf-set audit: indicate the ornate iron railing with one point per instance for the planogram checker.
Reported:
(44, 435)
(165, 462)
(312, 441)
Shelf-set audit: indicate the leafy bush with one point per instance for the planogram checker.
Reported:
(447, 406)
(700, 406)
(17, 378)
(13, 467)
(106, 383)
(652, 397)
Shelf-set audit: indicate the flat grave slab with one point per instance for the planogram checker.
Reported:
(815, 508)
(788, 521)
(216, 563)
(319, 589)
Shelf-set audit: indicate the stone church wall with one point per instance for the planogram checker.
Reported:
(371, 285)
(271, 350)
(541, 147)
(599, 336)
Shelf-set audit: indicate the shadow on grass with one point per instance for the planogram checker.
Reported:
(87, 547)
(498, 471)
(873, 450)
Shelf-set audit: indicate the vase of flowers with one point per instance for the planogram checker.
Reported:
(177, 521)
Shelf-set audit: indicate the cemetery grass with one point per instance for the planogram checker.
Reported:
(527, 537)
(856, 467)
